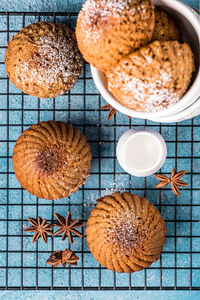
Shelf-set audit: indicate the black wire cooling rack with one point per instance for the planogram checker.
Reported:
(22, 264)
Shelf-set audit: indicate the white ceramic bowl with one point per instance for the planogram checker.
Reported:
(188, 113)
(141, 152)
(188, 21)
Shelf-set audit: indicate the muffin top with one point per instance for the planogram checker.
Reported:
(125, 233)
(165, 27)
(43, 59)
(52, 159)
(153, 77)
(108, 29)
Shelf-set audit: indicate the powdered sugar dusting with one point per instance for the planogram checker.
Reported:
(156, 97)
(104, 9)
(55, 61)
(151, 95)
(97, 13)
(151, 78)
(123, 231)
(51, 159)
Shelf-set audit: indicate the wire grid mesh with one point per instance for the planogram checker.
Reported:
(22, 264)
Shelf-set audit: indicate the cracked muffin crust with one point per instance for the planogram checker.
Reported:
(43, 59)
(165, 27)
(154, 77)
(109, 29)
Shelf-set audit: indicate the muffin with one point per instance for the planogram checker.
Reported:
(125, 233)
(52, 159)
(43, 59)
(153, 77)
(165, 28)
(107, 30)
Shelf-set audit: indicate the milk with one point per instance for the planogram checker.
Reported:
(142, 151)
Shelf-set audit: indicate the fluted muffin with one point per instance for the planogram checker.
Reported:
(165, 27)
(125, 233)
(154, 77)
(52, 159)
(107, 30)
(43, 59)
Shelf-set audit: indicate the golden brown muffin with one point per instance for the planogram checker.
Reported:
(52, 159)
(125, 233)
(165, 28)
(153, 77)
(107, 30)
(43, 59)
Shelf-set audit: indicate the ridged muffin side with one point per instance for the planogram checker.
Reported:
(125, 233)
(52, 159)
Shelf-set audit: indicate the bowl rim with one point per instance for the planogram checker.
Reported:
(189, 97)
(188, 113)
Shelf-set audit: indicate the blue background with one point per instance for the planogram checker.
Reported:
(29, 118)
(53, 5)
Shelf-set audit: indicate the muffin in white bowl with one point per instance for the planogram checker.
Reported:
(188, 22)
(154, 77)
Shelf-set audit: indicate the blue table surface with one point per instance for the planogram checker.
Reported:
(62, 6)
(54, 5)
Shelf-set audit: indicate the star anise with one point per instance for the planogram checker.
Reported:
(174, 179)
(63, 257)
(112, 111)
(41, 227)
(67, 226)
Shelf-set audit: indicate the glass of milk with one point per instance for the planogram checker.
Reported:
(141, 152)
